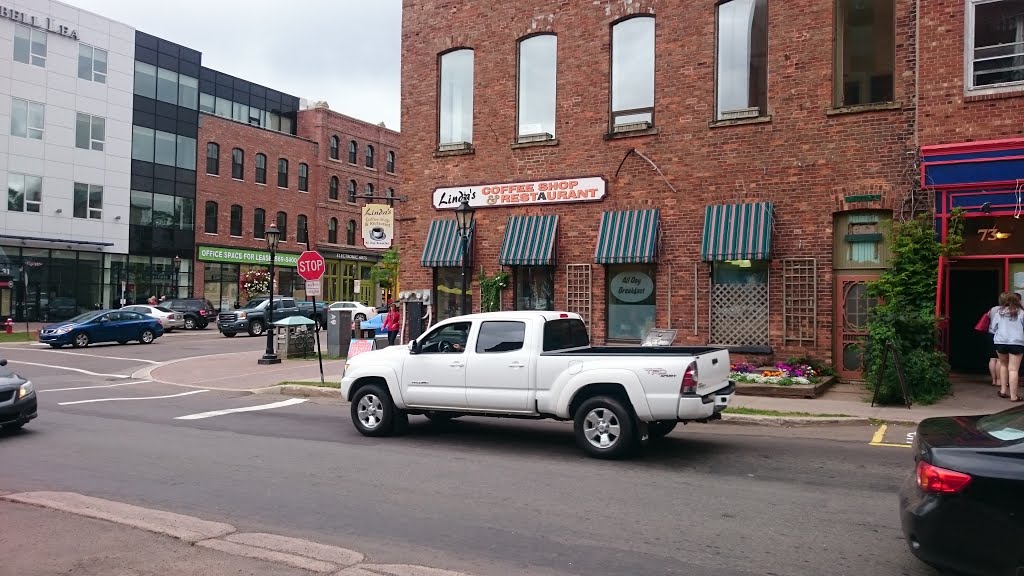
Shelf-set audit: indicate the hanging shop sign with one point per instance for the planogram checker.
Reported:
(378, 225)
(557, 191)
(243, 256)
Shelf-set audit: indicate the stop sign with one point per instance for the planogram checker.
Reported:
(311, 265)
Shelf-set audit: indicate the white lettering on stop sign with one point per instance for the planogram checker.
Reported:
(311, 265)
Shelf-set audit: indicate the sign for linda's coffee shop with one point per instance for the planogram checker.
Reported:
(47, 24)
(554, 191)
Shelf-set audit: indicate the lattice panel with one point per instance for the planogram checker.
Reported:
(800, 300)
(578, 290)
(739, 314)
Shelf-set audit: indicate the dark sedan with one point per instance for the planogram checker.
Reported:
(121, 326)
(17, 399)
(963, 508)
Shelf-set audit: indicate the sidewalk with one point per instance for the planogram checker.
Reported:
(239, 371)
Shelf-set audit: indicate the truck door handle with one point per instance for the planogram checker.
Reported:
(714, 361)
(456, 364)
(516, 365)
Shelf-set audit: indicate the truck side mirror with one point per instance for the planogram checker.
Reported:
(416, 347)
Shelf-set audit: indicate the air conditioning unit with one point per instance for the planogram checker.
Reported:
(632, 127)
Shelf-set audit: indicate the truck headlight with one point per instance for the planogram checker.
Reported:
(243, 315)
(26, 389)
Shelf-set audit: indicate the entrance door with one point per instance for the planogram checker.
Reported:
(972, 292)
(852, 308)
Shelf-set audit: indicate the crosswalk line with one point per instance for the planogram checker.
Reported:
(94, 400)
(282, 404)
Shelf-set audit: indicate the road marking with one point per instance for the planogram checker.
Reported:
(101, 356)
(190, 392)
(91, 387)
(282, 404)
(876, 440)
(69, 368)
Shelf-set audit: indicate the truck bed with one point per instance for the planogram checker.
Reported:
(635, 351)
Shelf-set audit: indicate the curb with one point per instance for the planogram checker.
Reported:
(759, 420)
(300, 391)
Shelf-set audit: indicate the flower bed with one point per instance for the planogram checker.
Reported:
(782, 374)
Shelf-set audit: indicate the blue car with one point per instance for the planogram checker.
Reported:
(376, 324)
(119, 326)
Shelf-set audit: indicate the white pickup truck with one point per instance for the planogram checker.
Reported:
(538, 365)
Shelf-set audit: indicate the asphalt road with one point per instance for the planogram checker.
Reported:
(489, 497)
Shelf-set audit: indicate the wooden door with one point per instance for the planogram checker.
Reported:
(852, 308)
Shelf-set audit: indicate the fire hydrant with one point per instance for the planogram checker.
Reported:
(9, 326)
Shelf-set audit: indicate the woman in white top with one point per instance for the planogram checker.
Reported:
(1008, 335)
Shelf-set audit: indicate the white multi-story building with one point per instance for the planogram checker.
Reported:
(66, 94)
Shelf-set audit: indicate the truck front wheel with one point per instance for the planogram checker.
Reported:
(373, 412)
(255, 328)
(605, 428)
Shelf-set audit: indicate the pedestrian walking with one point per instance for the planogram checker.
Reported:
(1008, 336)
(392, 323)
(152, 300)
(987, 326)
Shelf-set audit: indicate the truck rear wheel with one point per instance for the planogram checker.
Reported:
(373, 412)
(605, 428)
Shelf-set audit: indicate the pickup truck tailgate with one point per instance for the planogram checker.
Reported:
(712, 371)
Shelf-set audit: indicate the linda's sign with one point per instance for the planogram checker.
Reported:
(522, 193)
(47, 24)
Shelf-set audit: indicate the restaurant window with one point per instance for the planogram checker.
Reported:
(742, 59)
(333, 190)
(739, 303)
(350, 233)
(633, 74)
(210, 222)
(303, 178)
(369, 156)
(334, 148)
(302, 229)
(632, 303)
(236, 220)
(332, 231)
(237, 164)
(282, 225)
(534, 287)
(212, 158)
(259, 223)
(282, 173)
(995, 43)
(221, 284)
(456, 102)
(353, 151)
(538, 62)
(447, 292)
(865, 52)
(351, 197)
(391, 162)
(261, 168)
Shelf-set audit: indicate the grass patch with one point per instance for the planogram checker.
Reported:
(17, 337)
(757, 412)
(313, 383)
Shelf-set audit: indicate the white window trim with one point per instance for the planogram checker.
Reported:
(90, 212)
(31, 36)
(28, 115)
(92, 60)
(969, 89)
(93, 141)
(25, 202)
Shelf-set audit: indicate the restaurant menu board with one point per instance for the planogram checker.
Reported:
(357, 347)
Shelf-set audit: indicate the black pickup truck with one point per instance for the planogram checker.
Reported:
(252, 317)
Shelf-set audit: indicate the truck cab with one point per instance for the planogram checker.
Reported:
(254, 316)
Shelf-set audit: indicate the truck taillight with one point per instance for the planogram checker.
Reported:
(202, 312)
(689, 384)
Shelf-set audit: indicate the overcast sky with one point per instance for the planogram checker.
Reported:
(343, 51)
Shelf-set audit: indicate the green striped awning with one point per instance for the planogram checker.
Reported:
(628, 237)
(737, 232)
(529, 241)
(444, 246)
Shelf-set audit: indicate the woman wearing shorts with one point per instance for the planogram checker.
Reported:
(1008, 335)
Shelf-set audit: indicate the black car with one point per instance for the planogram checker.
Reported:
(197, 313)
(17, 399)
(319, 315)
(962, 509)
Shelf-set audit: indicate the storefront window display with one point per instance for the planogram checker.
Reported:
(632, 303)
(534, 287)
(447, 298)
(220, 284)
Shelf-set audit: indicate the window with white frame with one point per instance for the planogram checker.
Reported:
(88, 201)
(995, 43)
(742, 59)
(90, 132)
(538, 63)
(30, 46)
(92, 64)
(24, 192)
(633, 73)
(456, 114)
(27, 119)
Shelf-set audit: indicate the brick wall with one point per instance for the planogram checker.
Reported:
(227, 191)
(806, 159)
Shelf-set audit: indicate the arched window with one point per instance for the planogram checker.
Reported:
(303, 178)
(369, 156)
(391, 196)
(353, 151)
(456, 99)
(213, 158)
(332, 231)
(259, 223)
(369, 190)
(261, 168)
(282, 173)
(334, 147)
(237, 163)
(236, 220)
(210, 222)
(333, 192)
(282, 225)
(632, 74)
(391, 162)
(351, 190)
(350, 233)
(302, 232)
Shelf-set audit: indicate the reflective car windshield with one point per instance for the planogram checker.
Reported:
(1007, 426)
(82, 318)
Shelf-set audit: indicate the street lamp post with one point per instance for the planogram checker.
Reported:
(177, 275)
(273, 235)
(464, 219)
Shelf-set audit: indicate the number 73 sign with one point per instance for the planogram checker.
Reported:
(990, 234)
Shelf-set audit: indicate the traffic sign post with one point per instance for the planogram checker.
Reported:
(312, 288)
(311, 267)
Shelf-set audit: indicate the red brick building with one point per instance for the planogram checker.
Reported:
(356, 165)
(971, 132)
(248, 178)
(731, 190)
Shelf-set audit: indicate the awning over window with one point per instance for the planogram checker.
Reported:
(628, 237)
(737, 232)
(529, 241)
(444, 246)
